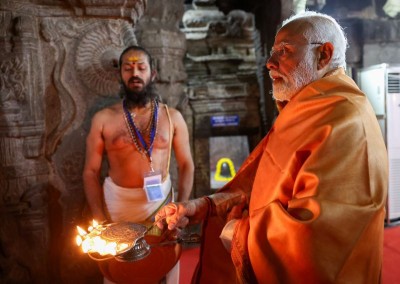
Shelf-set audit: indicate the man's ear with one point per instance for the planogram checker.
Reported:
(153, 75)
(325, 55)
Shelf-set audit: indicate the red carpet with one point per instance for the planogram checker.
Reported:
(391, 259)
(391, 256)
(188, 262)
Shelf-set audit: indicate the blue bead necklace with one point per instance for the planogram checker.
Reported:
(142, 147)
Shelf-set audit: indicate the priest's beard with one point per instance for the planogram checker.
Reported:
(139, 98)
(293, 82)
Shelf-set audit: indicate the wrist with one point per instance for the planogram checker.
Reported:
(198, 209)
(209, 206)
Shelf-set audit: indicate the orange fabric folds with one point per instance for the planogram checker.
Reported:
(317, 206)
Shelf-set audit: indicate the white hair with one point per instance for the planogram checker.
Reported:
(323, 29)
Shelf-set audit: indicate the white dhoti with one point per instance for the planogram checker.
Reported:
(131, 205)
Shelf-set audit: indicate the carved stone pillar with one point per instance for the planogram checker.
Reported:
(158, 31)
(57, 67)
(224, 80)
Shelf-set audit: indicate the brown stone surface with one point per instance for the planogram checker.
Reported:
(57, 66)
(222, 79)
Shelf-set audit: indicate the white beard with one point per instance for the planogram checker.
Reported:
(293, 82)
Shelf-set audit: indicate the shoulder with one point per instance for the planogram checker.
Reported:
(177, 120)
(173, 112)
(107, 113)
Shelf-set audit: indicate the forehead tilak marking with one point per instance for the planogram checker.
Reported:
(133, 59)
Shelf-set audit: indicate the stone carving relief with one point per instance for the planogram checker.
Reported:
(12, 84)
(16, 76)
(84, 76)
(57, 66)
(98, 46)
(239, 24)
(197, 21)
(158, 31)
(23, 174)
(86, 65)
(222, 79)
(96, 54)
(132, 9)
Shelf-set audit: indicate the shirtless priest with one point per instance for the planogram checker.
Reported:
(137, 135)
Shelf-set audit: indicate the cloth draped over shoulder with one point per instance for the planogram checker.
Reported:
(318, 184)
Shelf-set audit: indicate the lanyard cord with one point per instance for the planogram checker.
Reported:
(135, 132)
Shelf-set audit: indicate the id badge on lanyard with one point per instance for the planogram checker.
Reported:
(152, 185)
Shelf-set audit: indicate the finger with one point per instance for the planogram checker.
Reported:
(170, 209)
(182, 223)
(178, 217)
(160, 216)
(168, 235)
(173, 221)
(163, 213)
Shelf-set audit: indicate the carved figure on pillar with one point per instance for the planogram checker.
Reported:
(57, 60)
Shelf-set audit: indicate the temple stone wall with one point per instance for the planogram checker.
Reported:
(158, 31)
(381, 42)
(223, 80)
(58, 66)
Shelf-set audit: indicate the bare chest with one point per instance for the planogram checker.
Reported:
(121, 135)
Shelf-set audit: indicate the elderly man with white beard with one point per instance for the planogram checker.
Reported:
(308, 204)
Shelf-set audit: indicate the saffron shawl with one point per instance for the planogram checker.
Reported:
(318, 187)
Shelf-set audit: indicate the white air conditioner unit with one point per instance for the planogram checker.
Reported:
(381, 84)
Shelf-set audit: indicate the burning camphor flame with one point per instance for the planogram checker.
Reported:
(92, 241)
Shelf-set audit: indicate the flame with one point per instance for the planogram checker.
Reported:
(92, 241)
(78, 240)
(81, 231)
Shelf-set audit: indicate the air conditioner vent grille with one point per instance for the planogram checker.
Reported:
(393, 83)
